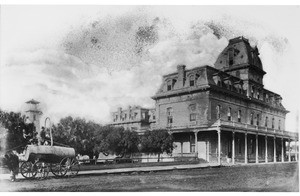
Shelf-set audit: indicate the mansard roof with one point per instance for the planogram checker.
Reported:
(243, 55)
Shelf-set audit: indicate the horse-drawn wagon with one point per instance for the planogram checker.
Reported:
(39, 160)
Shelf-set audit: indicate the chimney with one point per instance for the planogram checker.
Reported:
(181, 75)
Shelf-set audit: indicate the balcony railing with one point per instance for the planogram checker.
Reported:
(255, 127)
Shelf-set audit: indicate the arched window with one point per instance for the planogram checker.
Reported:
(257, 120)
(273, 122)
(192, 80)
(279, 122)
(229, 114)
(251, 118)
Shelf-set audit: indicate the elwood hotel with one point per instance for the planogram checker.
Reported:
(220, 114)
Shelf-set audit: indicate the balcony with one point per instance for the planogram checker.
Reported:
(256, 128)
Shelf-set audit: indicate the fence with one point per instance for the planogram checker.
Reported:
(140, 160)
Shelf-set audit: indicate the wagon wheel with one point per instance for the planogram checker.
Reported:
(42, 169)
(70, 166)
(28, 170)
(56, 170)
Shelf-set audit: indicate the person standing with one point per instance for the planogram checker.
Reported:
(11, 160)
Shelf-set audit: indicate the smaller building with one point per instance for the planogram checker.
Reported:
(134, 118)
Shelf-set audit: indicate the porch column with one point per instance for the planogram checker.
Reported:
(196, 142)
(282, 153)
(256, 149)
(219, 146)
(233, 148)
(266, 149)
(246, 149)
(274, 156)
(289, 150)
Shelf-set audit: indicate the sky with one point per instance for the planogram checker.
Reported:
(85, 61)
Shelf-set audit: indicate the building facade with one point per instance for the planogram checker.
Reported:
(224, 113)
(134, 118)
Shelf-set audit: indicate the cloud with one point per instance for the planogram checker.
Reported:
(114, 61)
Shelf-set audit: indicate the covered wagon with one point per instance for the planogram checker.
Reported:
(39, 160)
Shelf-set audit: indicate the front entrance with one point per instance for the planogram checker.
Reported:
(203, 150)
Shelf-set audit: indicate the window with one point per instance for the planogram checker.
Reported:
(135, 115)
(192, 109)
(251, 118)
(279, 122)
(267, 98)
(252, 91)
(153, 117)
(257, 120)
(266, 121)
(169, 85)
(192, 143)
(239, 145)
(257, 95)
(192, 80)
(218, 111)
(252, 146)
(143, 115)
(170, 116)
(229, 114)
(193, 117)
(219, 82)
(125, 116)
(273, 123)
(229, 86)
(34, 117)
(239, 115)
(230, 57)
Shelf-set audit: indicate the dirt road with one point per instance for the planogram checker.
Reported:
(271, 177)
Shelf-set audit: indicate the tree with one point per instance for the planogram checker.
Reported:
(116, 140)
(16, 130)
(77, 133)
(157, 141)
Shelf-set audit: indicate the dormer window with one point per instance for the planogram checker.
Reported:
(169, 85)
(192, 80)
